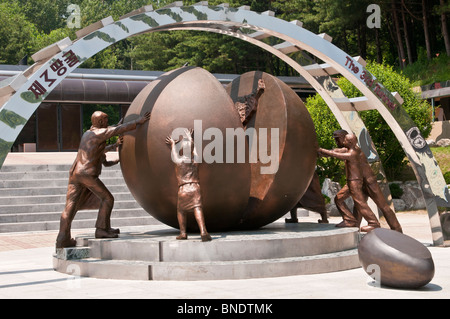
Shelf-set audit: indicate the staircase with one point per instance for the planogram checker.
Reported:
(32, 198)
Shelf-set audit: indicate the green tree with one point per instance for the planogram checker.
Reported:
(344, 20)
(325, 124)
(46, 15)
(17, 34)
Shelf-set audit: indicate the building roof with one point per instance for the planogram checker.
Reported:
(435, 90)
(107, 86)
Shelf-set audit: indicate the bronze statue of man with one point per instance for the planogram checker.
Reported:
(189, 196)
(371, 188)
(84, 179)
(351, 154)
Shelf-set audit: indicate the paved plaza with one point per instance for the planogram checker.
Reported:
(26, 271)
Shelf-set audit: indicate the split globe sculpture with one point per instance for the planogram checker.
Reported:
(248, 177)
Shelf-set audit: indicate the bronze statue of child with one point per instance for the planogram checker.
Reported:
(189, 196)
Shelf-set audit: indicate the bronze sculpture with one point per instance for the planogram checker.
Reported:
(396, 260)
(192, 97)
(371, 189)
(85, 190)
(189, 196)
(272, 195)
(248, 105)
(352, 155)
(311, 200)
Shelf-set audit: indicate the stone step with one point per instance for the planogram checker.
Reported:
(54, 207)
(77, 224)
(41, 191)
(209, 270)
(55, 199)
(47, 168)
(40, 175)
(39, 168)
(62, 182)
(277, 240)
(82, 214)
(32, 198)
(249, 269)
(214, 270)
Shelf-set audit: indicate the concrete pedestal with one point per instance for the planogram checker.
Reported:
(275, 250)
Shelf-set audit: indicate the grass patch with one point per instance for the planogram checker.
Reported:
(442, 156)
(423, 72)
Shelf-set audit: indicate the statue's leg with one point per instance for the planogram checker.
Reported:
(199, 217)
(318, 205)
(361, 206)
(182, 223)
(375, 192)
(64, 238)
(293, 213)
(103, 224)
(349, 220)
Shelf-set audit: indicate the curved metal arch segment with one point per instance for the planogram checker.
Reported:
(296, 66)
(22, 104)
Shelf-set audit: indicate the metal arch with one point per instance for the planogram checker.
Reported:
(308, 77)
(21, 105)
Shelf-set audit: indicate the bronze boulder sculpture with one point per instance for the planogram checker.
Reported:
(403, 262)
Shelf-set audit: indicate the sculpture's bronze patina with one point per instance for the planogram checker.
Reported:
(352, 156)
(85, 189)
(370, 187)
(396, 260)
(189, 196)
(271, 195)
(311, 200)
(192, 97)
(248, 105)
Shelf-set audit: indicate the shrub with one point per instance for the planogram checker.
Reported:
(325, 124)
(396, 190)
(424, 72)
(447, 177)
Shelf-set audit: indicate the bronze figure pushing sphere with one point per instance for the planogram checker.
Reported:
(239, 188)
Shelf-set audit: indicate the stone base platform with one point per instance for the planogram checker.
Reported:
(275, 250)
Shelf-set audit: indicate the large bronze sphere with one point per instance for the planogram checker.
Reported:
(230, 190)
